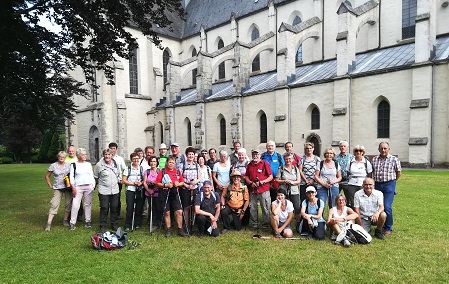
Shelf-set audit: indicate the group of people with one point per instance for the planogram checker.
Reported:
(203, 189)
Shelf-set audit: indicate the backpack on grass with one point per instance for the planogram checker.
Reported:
(355, 233)
(110, 241)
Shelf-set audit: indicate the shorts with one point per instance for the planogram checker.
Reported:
(186, 197)
(367, 223)
(172, 201)
(286, 227)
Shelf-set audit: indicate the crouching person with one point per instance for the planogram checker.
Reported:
(282, 215)
(312, 224)
(234, 202)
(207, 210)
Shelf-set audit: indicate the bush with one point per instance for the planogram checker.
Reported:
(6, 160)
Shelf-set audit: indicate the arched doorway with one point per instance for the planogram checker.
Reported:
(316, 140)
(94, 144)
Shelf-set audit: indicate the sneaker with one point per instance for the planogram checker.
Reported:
(168, 233)
(346, 243)
(378, 234)
(88, 225)
(72, 227)
(333, 236)
(182, 233)
(47, 227)
(127, 230)
(278, 236)
(225, 231)
(65, 223)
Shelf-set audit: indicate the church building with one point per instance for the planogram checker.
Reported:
(319, 71)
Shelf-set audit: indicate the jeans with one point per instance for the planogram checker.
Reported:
(108, 203)
(323, 193)
(389, 190)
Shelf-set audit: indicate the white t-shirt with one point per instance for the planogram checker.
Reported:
(358, 171)
(283, 215)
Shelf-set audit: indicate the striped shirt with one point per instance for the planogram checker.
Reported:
(385, 169)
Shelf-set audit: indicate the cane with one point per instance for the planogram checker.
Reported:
(151, 214)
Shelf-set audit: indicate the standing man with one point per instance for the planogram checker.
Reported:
(180, 158)
(163, 155)
(121, 167)
(387, 170)
(368, 204)
(207, 210)
(106, 177)
(149, 151)
(275, 160)
(296, 158)
(258, 176)
(343, 160)
(234, 157)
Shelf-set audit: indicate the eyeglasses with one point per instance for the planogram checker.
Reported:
(358, 150)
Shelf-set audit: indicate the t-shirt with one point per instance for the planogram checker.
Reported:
(309, 167)
(293, 175)
(283, 214)
(208, 204)
(222, 173)
(58, 174)
(135, 175)
(84, 174)
(328, 173)
(173, 174)
(313, 210)
(358, 171)
(152, 177)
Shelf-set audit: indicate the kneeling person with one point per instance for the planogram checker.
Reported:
(207, 210)
(282, 215)
(234, 202)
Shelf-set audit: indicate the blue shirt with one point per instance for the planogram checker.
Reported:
(276, 160)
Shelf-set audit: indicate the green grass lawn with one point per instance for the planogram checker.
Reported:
(416, 252)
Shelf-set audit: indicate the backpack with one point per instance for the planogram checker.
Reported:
(297, 159)
(337, 165)
(360, 235)
(109, 241)
(228, 192)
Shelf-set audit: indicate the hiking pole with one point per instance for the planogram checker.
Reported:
(151, 214)
(163, 213)
(257, 235)
(134, 209)
(183, 214)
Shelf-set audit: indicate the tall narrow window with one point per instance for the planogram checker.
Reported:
(222, 131)
(221, 67)
(194, 74)
(133, 83)
(315, 118)
(165, 59)
(408, 18)
(189, 133)
(161, 128)
(254, 34)
(298, 58)
(263, 128)
(194, 52)
(255, 66)
(383, 120)
(93, 86)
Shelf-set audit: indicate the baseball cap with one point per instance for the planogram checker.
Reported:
(310, 189)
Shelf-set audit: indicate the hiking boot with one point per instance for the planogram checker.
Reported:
(168, 233)
(346, 243)
(225, 231)
(182, 233)
(88, 225)
(72, 227)
(378, 234)
(47, 227)
(66, 223)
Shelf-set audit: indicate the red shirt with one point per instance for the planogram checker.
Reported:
(262, 171)
(174, 174)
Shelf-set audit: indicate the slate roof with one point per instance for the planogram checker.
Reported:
(380, 60)
(200, 13)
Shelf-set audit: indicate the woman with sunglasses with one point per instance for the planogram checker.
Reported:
(358, 169)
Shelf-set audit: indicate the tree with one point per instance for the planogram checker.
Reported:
(36, 88)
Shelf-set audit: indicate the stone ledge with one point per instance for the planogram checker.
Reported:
(339, 111)
(279, 117)
(91, 107)
(418, 141)
(149, 128)
(422, 17)
(140, 97)
(335, 143)
(420, 103)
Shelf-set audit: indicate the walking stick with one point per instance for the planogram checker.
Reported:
(151, 214)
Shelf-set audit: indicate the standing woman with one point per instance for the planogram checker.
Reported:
(132, 178)
(289, 178)
(307, 169)
(82, 182)
(221, 171)
(59, 170)
(358, 169)
(327, 176)
(151, 190)
(205, 171)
